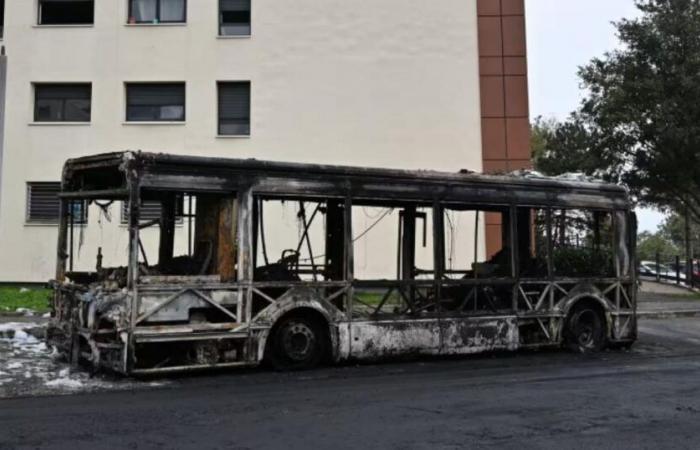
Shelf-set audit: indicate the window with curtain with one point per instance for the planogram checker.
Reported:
(234, 108)
(62, 102)
(43, 204)
(234, 17)
(157, 11)
(155, 102)
(66, 12)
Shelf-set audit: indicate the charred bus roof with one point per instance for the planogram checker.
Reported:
(112, 175)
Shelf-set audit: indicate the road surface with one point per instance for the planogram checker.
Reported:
(648, 397)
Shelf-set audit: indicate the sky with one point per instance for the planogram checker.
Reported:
(562, 36)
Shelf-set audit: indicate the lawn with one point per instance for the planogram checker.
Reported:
(12, 298)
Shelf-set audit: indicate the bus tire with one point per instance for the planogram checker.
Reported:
(585, 329)
(297, 343)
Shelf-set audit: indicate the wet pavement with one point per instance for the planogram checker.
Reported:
(646, 397)
(29, 367)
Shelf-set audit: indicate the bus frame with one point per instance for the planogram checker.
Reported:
(130, 321)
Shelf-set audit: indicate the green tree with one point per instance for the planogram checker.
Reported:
(649, 244)
(642, 109)
(564, 147)
(673, 230)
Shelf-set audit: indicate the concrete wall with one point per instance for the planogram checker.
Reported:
(391, 83)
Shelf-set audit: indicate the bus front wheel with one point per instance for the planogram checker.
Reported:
(297, 343)
(585, 329)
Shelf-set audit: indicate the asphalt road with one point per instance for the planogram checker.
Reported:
(648, 397)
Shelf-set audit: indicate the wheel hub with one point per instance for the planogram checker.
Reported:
(585, 328)
(298, 341)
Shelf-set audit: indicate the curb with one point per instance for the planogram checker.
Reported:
(668, 314)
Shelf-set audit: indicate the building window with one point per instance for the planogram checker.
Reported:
(151, 210)
(234, 108)
(155, 102)
(157, 11)
(62, 102)
(66, 12)
(2, 18)
(43, 204)
(234, 17)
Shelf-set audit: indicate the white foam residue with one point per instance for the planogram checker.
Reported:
(22, 337)
(65, 382)
(27, 312)
(17, 326)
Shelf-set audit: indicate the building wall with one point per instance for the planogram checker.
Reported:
(505, 114)
(394, 83)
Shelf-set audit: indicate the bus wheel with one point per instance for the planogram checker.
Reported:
(296, 344)
(585, 329)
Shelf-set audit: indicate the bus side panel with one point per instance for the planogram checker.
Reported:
(479, 334)
(379, 339)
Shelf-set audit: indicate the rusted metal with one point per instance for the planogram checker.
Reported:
(218, 307)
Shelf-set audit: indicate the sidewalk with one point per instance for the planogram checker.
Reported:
(660, 300)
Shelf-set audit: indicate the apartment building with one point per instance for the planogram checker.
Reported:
(419, 84)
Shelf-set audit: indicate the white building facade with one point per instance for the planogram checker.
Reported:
(389, 83)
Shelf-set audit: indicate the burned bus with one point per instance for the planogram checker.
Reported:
(300, 264)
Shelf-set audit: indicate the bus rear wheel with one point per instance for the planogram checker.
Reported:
(585, 329)
(297, 343)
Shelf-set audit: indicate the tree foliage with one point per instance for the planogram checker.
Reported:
(564, 147)
(642, 109)
(649, 244)
(673, 230)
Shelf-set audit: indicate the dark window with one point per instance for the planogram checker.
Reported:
(62, 102)
(157, 11)
(66, 12)
(234, 108)
(43, 204)
(234, 17)
(149, 102)
(582, 243)
(2, 18)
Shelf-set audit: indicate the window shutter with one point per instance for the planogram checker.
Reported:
(156, 94)
(234, 100)
(234, 108)
(63, 92)
(235, 5)
(43, 204)
(151, 210)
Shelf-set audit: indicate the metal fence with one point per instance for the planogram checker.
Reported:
(670, 269)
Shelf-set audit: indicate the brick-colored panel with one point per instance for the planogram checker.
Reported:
(490, 36)
(493, 135)
(494, 240)
(517, 164)
(489, 7)
(518, 138)
(491, 65)
(513, 7)
(495, 166)
(514, 36)
(502, 39)
(515, 65)
(492, 97)
(516, 96)
(494, 218)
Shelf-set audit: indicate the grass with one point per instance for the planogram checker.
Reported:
(375, 298)
(688, 296)
(35, 299)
